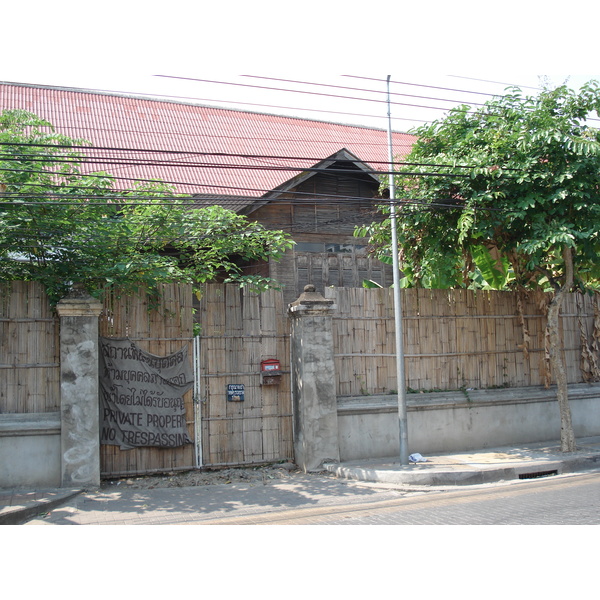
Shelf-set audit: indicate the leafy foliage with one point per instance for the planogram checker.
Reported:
(59, 226)
(500, 192)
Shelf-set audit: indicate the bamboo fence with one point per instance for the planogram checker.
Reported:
(29, 350)
(456, 339)
(453, 339)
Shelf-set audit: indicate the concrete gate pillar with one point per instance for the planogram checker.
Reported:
(80, 435)
(313, 375)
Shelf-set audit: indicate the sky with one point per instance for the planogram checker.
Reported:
(443, 53)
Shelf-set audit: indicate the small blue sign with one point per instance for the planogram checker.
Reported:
(235, 392)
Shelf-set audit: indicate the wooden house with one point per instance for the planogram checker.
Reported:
(313, 179)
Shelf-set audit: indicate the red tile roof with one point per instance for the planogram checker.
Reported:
(185, 143)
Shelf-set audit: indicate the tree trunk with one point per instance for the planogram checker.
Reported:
(557, 359)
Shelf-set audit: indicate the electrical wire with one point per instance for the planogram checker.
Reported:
(343, 201)
(116, 161)
(336, 96)
(495, 82)
(433, 87)
(213, 136)
(312, 160)
(362, 89)
(178, 152)
(217, 166)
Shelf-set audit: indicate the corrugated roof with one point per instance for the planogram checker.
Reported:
(190, 145)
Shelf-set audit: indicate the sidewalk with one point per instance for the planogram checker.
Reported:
(478, 466)
(462, 468)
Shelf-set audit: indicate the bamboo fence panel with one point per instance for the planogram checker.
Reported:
(29, 350)
(457, 339)
(159, 329)
(452, 339)
(240, 329)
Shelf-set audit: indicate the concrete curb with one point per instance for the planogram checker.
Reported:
(416, 475)
(19, 514)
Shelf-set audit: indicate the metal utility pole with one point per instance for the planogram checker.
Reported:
(402, 419)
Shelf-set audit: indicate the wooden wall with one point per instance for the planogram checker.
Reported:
(321, 213)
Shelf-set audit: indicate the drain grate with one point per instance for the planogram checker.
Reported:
(537, 474)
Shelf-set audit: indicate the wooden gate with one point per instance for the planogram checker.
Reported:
(251, 424)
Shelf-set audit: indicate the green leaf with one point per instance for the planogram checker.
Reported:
(369, 284)
(493, 269)
(465, 224)
(386, 259)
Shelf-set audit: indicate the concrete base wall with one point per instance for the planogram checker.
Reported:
(457, 421)
(30, 450)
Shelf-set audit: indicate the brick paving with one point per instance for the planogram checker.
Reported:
(570, 500)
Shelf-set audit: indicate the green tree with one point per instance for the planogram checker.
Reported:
(59, 226)
(505, 196)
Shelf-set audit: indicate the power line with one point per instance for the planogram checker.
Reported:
(358, 201)
(398, 93)
(27, 200)
(78, 159)
(337, 96)
(263, 105)
(330, 172)
(364, 90)
(184, 134)
(148, 163)
(327, 171)
(309, 83)
(495, 82)
(177, 152)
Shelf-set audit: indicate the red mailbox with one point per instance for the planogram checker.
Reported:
(270, 371)
(270, 366)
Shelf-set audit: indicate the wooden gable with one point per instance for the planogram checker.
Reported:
(331, 198)
(320, 208)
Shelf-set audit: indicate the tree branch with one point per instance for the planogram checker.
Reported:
(568, 260)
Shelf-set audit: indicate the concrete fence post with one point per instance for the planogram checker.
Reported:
(313, 380)
(80, 435)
